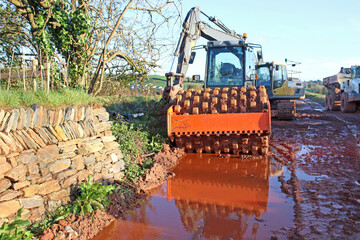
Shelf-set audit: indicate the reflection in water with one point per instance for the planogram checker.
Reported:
(210, 198)
(217, 197)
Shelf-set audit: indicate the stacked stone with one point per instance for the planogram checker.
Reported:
(45, 153)
(36, 127)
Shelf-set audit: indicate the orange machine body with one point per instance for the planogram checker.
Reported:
(226, 123)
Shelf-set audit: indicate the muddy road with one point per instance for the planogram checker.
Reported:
(307, 188)
(321, 151)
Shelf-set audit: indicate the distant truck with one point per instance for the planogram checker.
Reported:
(344, 90)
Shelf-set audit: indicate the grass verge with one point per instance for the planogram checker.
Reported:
(139, 136)
(17, 98)
(316, 97)
(160, 81)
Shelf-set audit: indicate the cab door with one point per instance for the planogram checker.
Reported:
(264, 78)
(280, 83)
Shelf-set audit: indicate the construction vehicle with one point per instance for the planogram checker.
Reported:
(230, 115)
(344, 90)
(281, 88)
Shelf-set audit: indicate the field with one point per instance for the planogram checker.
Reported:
(316, 97)
(160, 81)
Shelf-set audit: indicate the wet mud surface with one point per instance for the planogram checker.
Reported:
(209, 197)
(307, 188)
(164, 162)
(321, 152)
(86, 227)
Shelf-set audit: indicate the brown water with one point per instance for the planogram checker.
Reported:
(210, 198)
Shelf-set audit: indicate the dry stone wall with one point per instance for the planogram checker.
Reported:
(45, 152)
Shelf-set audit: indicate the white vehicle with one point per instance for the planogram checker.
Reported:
(344, 90)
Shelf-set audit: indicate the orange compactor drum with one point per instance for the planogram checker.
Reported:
(229, 120)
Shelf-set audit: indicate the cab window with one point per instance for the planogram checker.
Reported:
(250, 63)
(280, 76)
(225, 67)
(264, 76)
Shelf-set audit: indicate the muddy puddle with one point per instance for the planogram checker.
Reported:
(211, 198)
(316, 196)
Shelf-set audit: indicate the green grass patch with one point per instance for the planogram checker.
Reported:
(17, 98)
(132, 141)
(316, 97)
(155, 80)
(141, 135)
(160, 81)
(130, 103)
(90, 196)
(16, 230)
(135, 142)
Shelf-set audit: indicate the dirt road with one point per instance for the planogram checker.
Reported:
(307, 188)
(321, 149)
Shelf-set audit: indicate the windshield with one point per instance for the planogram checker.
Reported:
(225, 67)
(355, 72)
(264, 76)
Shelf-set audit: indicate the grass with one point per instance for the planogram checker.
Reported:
(152, 122)
(135, 141)
(316, 97)
(160, 81)
(130, 103)
(138, 136)
(17, 98)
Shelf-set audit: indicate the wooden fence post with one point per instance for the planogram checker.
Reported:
(34, 65)
(47, 72)
(9, 80)
(24, 82)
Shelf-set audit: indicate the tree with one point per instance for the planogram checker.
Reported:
(114, 39)
(14, 34)
(125, 44)
(58, 28)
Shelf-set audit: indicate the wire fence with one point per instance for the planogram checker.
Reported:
(25, 73)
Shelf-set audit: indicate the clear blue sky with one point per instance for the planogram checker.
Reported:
(321, 34)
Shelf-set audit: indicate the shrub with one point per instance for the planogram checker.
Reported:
(92, 196)
(133, 142)
(15, 230)
(133, 170)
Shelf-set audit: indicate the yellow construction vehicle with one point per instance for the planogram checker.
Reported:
(230, 115)
(281, 88)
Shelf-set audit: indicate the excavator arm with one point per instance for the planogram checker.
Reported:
(193, 29)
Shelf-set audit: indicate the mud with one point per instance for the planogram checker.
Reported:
(321, 152)
(86, 227)
(160, 172)
(307, 188)
(78, 227)
(210, 197)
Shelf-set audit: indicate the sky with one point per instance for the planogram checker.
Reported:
(323, 35)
